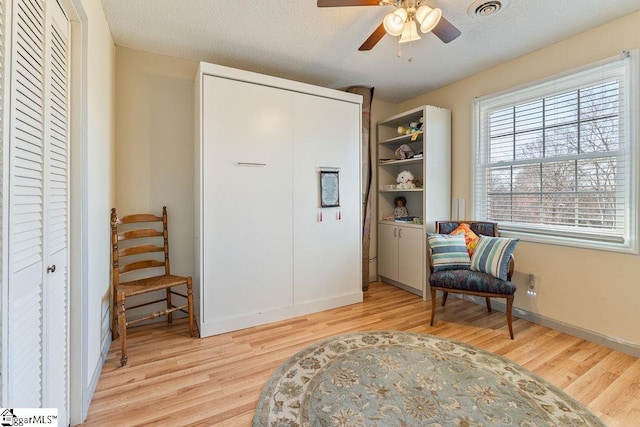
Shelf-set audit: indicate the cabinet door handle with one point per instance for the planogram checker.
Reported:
(51, 269)
(395, 232)
(400, 232)
(250, 164)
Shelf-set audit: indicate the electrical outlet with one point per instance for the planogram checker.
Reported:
(531, 287)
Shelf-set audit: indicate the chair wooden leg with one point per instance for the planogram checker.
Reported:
(122, 324)
(444, 297)
(169, 306)
(190, 304)
(433, 305)
(114, 320)
(488, 300)
(509, 318)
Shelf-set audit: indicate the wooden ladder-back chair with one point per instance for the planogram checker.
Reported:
(140, 252)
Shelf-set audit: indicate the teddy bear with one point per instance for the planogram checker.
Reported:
(405, 181)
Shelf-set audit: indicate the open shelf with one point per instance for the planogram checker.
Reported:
(400, 162)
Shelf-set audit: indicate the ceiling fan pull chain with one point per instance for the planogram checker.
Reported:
(399, 54)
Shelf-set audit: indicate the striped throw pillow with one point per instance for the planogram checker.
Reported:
(492, 254)
(448, 252)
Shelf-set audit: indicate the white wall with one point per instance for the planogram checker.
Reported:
(154, 144)
(92, 149)
(591, 290)
(99, 156)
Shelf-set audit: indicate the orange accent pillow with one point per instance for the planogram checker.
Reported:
(470, 238)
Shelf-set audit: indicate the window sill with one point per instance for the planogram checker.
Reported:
(626, 248)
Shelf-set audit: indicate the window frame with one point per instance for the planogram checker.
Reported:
(627, 63)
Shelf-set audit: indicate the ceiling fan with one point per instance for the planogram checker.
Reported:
(403, 21)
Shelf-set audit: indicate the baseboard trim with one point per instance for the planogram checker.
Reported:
(576, 331)
(91, 389)
(424, 295)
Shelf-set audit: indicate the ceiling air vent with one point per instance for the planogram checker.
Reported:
(482, 8)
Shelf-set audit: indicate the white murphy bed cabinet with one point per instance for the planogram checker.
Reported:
(401, 246)
(262, 252)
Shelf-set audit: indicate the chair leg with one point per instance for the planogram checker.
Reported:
(114, 320)
(169, 306)
(190, 304)
(488, 304)
(433, 305)
(444, 297)
(122, 324)
(509, 318)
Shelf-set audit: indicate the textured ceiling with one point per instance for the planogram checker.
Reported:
(295, 39)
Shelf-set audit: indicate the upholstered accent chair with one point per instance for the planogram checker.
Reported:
(463, 279)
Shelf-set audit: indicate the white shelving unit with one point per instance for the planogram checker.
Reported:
(401, 246)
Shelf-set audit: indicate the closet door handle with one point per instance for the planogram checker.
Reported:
(51, 269)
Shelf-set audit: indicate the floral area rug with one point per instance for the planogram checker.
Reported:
(392, 378)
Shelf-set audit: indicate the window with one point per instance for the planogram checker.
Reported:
(556, 161)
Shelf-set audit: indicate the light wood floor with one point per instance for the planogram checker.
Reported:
(174, 380)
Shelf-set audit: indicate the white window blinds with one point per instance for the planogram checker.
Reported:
(556, 161)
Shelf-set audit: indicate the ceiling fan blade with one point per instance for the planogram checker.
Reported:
(374, 38)
(446, 31)
(338, 3)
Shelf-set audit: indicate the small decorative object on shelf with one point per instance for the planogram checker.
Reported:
(416, 126)
(404, 152)
(405, 219)
(405, 180)
(401, 207)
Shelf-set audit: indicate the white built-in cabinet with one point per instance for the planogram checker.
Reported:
(400, 254)
(265, 249)
(402, 245)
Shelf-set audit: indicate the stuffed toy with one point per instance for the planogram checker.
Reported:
(415, 126)
(405, 152)
(405, 181)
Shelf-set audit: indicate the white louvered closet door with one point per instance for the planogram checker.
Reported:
(3, 97)
(38, 339)
(56, 290)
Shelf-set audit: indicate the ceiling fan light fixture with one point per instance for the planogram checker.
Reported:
(428, 18)
(394, 22)
(410, 32)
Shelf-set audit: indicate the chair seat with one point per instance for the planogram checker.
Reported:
(471, 281)
(149, 284)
